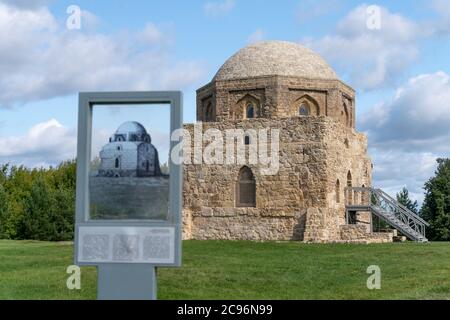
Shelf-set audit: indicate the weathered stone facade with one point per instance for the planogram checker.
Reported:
(320, 153)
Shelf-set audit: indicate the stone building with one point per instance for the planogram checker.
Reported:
(129, 153)
(280, 85)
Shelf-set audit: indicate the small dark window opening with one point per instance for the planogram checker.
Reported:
(247, 140)
(303, 110)
(117, 163)
(352, 217)
(250, 111)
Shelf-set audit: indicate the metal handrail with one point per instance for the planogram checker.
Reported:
(403, 215)
(383, 205)
(405, 209)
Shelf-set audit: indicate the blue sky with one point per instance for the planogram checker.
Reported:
(400, 70)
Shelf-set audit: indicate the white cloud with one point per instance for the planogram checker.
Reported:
(408, 133)
(371, 58)
(395, 169)
(218, 7)
(256, 36)
(418, 114)
(41, 59)
(45, 144)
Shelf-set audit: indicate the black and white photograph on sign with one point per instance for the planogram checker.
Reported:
(129, 171)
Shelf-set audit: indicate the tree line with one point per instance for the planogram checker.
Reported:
(39, 204)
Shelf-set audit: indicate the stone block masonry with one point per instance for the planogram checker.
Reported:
(281, 86)
(297, 203)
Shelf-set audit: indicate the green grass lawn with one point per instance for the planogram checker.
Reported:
(246, 270)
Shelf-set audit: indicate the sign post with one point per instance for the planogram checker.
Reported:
(128, 204)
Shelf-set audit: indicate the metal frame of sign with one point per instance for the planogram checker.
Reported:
(87, 100)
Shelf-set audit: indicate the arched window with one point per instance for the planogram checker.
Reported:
(305, 106)
(247, 140)
(338, 191)
(117, 163)
(147, 165)
(303, 110)
(246, 188)
(250, 111)
(247, 107)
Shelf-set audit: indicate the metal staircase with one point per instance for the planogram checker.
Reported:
(388, 209)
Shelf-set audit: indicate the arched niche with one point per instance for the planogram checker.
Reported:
(305, 106)
(248, 107)
(245, 188)
(209, 111)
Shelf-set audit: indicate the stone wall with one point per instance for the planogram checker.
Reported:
(322, 225)
(296, 202)
(277, 97)
(358, 233)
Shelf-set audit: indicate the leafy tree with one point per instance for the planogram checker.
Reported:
(3, 211)
(37, 203)
(436, 206)
(38, 207)
(62, 216)
(403, 198)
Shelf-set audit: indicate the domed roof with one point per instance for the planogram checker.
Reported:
(131, 131)
(131, 127)
(268, 58)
